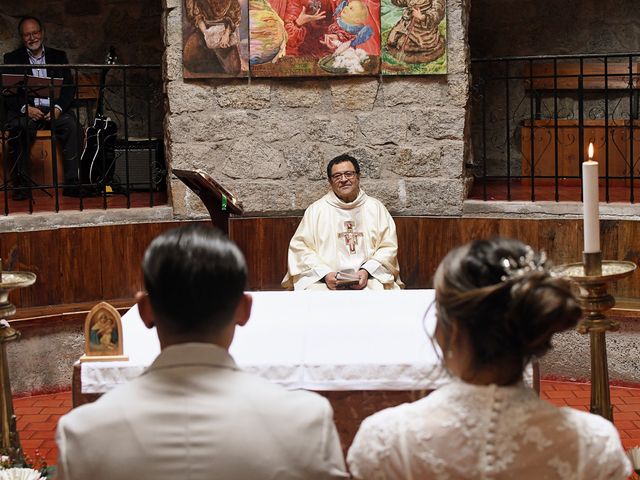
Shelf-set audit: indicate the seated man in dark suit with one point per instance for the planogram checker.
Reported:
(26, 114)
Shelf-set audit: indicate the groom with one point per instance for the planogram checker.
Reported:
(193, 413)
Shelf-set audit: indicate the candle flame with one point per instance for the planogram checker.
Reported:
(590, 151)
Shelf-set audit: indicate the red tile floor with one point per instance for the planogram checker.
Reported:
(38, 415)
(37, 419)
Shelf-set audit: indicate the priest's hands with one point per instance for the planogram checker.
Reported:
(332, 283)
(364, 279)
(330, 280)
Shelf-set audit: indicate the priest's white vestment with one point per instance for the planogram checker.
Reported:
(336, 236)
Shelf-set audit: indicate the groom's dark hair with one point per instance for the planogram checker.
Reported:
(195, 277)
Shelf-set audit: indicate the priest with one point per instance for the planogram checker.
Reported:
(346, 239)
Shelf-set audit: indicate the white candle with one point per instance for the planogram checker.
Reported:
(591, 205)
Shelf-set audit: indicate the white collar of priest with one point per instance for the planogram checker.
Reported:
(335, 201)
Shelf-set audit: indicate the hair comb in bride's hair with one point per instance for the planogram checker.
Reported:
(514, 268)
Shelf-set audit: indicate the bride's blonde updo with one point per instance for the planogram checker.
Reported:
(502, 296)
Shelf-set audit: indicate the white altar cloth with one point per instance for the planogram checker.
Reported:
(346, 340)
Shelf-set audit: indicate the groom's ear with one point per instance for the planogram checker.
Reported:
(243, 310)
(145, 310)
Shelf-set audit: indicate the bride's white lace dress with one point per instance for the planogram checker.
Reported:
(464, 431)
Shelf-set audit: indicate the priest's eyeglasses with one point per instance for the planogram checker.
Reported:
(346, 175)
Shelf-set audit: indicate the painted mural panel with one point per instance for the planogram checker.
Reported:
(215, 38)
(292, 38)
(414, 37)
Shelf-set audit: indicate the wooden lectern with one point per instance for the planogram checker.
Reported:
(219, 202)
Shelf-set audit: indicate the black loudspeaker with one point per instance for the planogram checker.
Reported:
(143, 160)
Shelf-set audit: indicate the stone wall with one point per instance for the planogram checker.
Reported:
(548, 27)
(42, 359)
(570, 356)
(269, 140)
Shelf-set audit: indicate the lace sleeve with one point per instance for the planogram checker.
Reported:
(365, 454)
(372, 455)
(603, 454)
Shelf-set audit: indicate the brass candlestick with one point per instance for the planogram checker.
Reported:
(592, 277)
(9, 441)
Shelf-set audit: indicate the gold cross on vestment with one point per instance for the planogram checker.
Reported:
(350, 237)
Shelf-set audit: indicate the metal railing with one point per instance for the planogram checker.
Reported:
(118, 111)
(534, 116)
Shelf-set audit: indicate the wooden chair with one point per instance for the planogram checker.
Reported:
(40, 155)
(40, 158)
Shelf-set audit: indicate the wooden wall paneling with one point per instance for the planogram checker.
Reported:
(477, 228)
(524, 230)
(80, 264)
(628, 245)
(7, 239)
(276, 236)
(428, 250)
(408, 230)
(95, 263)
(120, 260)
(7, 242)
(442, 237)
(422, 243)
(562, 240)
(612, 249)
(609, 232)
(264, 242)
(540, 235)
(123, 247)
(571, 247)
(246, 233)
(40, 252)
(547, 239)
(255, 239)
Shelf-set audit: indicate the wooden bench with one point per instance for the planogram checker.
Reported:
(543, 133)
(544, 79)
(40, 159)
(568, 76)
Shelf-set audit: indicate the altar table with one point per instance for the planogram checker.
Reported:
(363, 350)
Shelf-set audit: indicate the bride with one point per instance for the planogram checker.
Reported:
(497, 307)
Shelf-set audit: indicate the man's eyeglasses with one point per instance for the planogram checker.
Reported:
(347, 175)
(32, 34)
